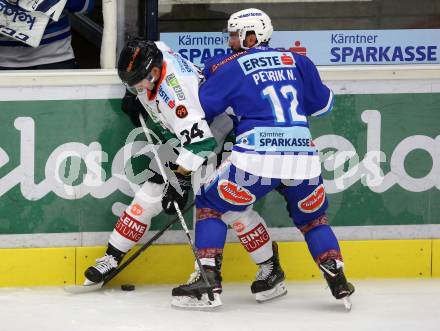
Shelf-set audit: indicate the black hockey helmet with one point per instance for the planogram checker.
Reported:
(137, 59)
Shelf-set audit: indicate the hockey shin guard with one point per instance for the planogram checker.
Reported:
(321, 240)
(135, 221)
(210, 234)
(251, 230)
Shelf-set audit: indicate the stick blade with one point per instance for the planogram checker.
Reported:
(77, 289)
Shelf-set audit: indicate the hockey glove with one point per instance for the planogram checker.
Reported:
(172, 194)
(131, 106)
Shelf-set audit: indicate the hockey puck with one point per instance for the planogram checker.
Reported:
(127, 287)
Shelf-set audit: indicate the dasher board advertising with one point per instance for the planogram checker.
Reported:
(332, 47)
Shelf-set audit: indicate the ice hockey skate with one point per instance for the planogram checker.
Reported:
(334, 275)
(194, 294)
(269, 282)
(95, 275)
(104, 265)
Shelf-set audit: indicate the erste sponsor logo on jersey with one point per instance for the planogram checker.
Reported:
(174, 84)
(165, 96)
(266, 60)
(313, 201)
(130, 228)
(234, 194)
(255, 238)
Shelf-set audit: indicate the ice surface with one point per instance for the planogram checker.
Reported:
(379, 305)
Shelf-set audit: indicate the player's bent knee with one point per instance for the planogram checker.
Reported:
(205, 213)
(210, 230)
(252, 233)
(310, 225)
(147, 203)
(128, 230)
(246, 217)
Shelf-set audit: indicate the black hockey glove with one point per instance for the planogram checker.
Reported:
(171, 193)
(131, 106)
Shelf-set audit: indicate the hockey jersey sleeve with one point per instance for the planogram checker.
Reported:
(188, 122)
(213, 94)
(209, 63)
(318, 98)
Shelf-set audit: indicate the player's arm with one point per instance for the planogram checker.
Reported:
(207, 68)
(189, 125)
(213, 92)
(318, 98)
(197, 143)
(187, 121)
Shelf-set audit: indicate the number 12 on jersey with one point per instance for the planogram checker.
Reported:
(289, 93)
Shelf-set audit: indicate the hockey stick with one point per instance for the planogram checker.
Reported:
(176, 206)
(115, 272)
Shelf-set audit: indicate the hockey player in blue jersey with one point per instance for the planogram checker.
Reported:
(271, 93)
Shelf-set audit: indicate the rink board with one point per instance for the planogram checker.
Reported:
(62, 157)
(436, 258)
(37, 266)
(172, 264)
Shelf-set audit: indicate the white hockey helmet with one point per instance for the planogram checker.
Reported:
(254, 20)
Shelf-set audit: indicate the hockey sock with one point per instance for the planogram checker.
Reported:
(136, 219)
(321, 240)
(130, 228)
(210, 238)
(210, 230)
(251, 230)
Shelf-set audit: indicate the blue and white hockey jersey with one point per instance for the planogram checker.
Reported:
(271, 92)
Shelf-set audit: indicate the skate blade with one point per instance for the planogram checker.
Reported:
(347, 303)
(192, 303)
(278, 291)
(76, 289)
